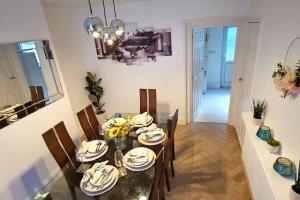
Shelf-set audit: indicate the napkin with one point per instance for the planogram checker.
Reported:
(92, 147)
(148, 135)
(92, 171)
(141, 119)
(152, 127)
(84, 147)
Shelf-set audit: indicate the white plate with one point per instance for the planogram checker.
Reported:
(109, 185)
(106, 125)
(93, 156)
(140, 139)
(141, 125)
(146, 166)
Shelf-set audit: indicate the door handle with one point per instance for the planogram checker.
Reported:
(240, 79)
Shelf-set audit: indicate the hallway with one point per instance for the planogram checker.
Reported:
(215, 106)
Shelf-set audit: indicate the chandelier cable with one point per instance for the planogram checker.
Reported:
(115, 9)
(104, 12)
(91, 11)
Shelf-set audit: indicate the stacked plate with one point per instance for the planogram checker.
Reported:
(92, 150)
(152, 137)
(100, 180)
(139, 159)
(141, 120)
(113, 122)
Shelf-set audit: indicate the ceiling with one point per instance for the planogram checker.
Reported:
(83, 3)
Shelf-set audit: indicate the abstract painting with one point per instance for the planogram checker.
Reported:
(139, 45)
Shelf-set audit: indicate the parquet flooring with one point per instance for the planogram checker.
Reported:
(208, 164)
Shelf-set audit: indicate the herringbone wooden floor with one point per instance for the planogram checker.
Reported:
(208, 164)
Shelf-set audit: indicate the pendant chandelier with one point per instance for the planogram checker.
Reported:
(109, 34)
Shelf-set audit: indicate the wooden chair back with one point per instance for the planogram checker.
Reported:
(34, 96)
(3, 122)
(172, 124)
(55, 149)
(65, 139)
(143, 100)
(20, 111)
(92, 119)
(29, 107)
(157, 190)
(86, 126)
(152, 103)
(40, 96)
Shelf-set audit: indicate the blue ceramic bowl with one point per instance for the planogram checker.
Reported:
(264, 133)
(284, 166)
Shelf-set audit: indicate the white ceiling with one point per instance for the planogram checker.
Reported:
(83, 3)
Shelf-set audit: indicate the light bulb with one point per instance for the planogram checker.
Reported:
(96, 34)
(119, 32)
(93, 24)
(110, 42)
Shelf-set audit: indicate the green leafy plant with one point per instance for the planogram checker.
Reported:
(273, 142)
(259, 107)
(96, 92)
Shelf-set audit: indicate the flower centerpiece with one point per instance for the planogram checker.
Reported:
(287, 79)
(118, 131)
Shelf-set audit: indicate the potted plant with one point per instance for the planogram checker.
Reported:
(295, 189)
(273, 145)
(258, 109)
(95, 95)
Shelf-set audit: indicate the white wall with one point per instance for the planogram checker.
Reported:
(26, 161)
(214, 56)
(168, 74)
(280, 25)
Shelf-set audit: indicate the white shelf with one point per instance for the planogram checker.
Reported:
(279, 185)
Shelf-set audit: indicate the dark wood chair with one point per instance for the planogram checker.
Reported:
(86, 126)
(55, 149)
(172, 124)
(157, 192)
(65, 139)
(40, 96)
(143, 100)
(20, 111)
(34, 96)
(3, 122)
(167, 161)
(152, 103)
(93, 119)
(29, 107)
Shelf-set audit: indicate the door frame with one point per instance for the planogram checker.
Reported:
(240, 22)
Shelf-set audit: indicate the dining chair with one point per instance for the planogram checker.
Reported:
(157, 192)
(65, 139)
(34, 96)
(167, 161)
(29, 107)
(55, 149)
(143, 100)
(86, 126)
(3, 122)
(40, 96)
(172, 124)
(93, 119)
(20, 111)
(152, 103)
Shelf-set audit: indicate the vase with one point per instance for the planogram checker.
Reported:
(294, 195)
(256, 122)
(272, 149)
(120, 143)
(264, 133)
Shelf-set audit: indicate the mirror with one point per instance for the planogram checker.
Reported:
(29, 79)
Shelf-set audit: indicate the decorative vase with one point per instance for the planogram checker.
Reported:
(120, 143)
(101, 118)
(284, 166)
(256, 122)
(272, 149)
(294, 195)
(264, 133)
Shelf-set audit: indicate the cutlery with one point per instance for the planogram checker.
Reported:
(152, 135)
(104, 178)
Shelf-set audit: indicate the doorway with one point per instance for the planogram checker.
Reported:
(213, 57)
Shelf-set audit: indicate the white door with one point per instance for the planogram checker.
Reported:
(10, 90)
(229, 45)
(199, 68)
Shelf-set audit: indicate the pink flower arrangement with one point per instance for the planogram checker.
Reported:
(287, 79)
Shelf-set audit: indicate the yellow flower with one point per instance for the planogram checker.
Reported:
(113, 132)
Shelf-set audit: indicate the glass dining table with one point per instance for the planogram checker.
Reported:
(65, 185)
